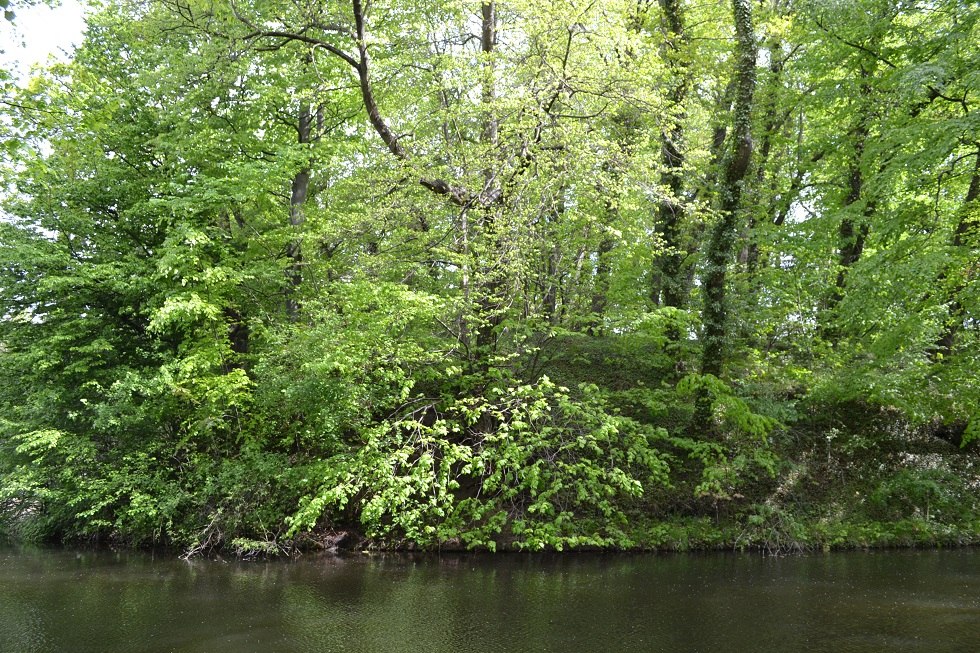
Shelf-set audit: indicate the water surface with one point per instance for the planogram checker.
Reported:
(842, 602)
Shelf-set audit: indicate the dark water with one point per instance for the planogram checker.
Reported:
(847, 602)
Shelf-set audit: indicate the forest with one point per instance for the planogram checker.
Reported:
(280, 275)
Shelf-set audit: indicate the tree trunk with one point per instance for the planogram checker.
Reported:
(299, 190)
(672, 287)
(735, 164)
(491, 279)
(773, 122)
(852, 233)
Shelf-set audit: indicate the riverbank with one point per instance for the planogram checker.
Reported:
(890, 488)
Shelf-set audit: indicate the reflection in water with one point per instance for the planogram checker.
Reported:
(854, 602)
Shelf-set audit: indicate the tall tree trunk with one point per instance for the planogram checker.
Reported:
(773, 123)
(239, 334)
(600, 288)
(734, 166)
(299, 191)
(851, 233)
(672, 286)
(552, 283)
(489, 304)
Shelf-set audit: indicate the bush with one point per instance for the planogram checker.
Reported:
(523, 465)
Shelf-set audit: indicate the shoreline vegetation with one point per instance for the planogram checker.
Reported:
(912, 502)
(695, 535)
(536, 275)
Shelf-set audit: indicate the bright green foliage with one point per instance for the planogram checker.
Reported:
(741, 453)
(510, 274)
(322, 384)
(526, 465)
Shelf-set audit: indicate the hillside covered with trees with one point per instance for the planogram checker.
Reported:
(495, 274)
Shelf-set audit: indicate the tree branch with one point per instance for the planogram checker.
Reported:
(857, 46)
(367, 92)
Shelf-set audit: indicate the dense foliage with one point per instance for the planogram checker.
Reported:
(495, 274)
